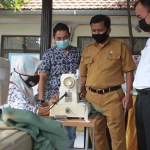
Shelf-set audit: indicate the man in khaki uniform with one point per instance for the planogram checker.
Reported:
(102, 69)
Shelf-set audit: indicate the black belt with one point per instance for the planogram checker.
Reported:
(105, 90)
(143, 91)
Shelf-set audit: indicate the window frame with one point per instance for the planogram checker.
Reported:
(133, 52)
(24, 50)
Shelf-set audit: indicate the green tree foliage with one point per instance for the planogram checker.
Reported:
(13, 4)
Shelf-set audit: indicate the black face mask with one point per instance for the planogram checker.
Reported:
(31, 81)
(143, 25)
(100, 38)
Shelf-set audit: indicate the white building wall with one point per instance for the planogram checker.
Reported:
(118, 29)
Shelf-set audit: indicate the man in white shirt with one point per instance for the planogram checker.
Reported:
(142, 80)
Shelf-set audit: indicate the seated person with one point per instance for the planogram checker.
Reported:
(23, 78)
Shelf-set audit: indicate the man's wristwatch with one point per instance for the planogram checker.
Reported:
(129, 91)
(42, 101)
(81, 96)
(39, 101)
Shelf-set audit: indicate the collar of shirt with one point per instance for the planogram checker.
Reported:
(102, 45)
(68, 48)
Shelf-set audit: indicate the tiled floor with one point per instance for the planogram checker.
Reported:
(79, 142)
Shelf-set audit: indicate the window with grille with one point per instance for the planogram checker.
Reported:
(19, 44)
(139, 43)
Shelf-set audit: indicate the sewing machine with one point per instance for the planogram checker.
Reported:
(70, 105)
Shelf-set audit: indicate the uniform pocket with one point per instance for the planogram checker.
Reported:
(121, 94)
(88, 62)
(113, 62)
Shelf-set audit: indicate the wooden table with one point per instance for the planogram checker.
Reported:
(87, 126)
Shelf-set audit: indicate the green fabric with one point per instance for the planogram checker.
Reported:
(93, 110)
(47, 134)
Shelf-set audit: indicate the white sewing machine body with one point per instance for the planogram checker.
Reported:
(70, 105)
(69, 110)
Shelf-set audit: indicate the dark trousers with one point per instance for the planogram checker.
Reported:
(143, 121)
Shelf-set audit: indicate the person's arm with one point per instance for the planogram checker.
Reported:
(44, 110)
(42, 84)
(127, 100)
(83, 87)
(128, 66)
(83, 73)
(53, 99)
(44, 72)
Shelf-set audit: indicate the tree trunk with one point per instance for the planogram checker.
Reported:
(46, 25)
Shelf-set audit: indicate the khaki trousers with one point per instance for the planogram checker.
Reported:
(111, 105)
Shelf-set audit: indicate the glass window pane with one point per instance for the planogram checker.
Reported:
(13, 43)
(83, 41)
(126, 40)
(139, 44)
(32, 43)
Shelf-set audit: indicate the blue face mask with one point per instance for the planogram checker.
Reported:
(62, 44)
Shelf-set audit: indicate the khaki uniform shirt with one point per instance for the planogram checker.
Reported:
(105, 66)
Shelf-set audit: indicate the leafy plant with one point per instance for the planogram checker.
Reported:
(13, 4)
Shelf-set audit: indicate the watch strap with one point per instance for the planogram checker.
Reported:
(39, 101)
(129, 91)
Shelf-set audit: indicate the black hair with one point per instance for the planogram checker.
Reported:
(60, 26)
(145, 3)
(99, 18)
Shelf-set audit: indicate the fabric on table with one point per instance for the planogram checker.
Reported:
(47, 134)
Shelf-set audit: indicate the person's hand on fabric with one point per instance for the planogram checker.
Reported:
(127, 101)
(53, 99)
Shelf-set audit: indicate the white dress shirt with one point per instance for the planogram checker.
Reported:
(142, 76)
